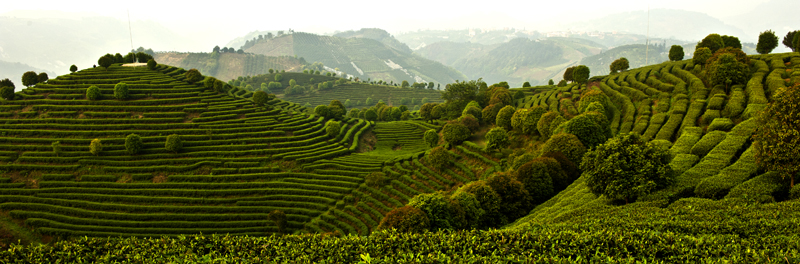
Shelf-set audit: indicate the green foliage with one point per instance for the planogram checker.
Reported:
(767, 41)
(473, 111)
(121, 91)
(376, 179)
(56, 147)
(544, 123)
(193, 76)
(95, 147)
(731, 41)
(278, 77)
(515, 199)
(151, 64)
(489, 201)
(724, 124)
(489, 113)
(322, 110)
(42, 77)
(701, 55)
(469, 204)
(133, 144)
(526, 84)
(260, 98)
(438, 208)
(173, 144)
(620, 64)
(426, 111)
(279, 218)
(713, 42)
(568, 75)
(461, 93)
(73, 68)
(777, 138)
(504, 117)
(725, 69)
(537, 176)
(581, 74)
(431, 138)
(550, 82)
(455, 133)
(332, 128)
(336, 109)
(105, 61)
(568, 144)
(438, 157)
(626, 167)
(29, 78)
(676, 53)
(763, 188)
(371, 115)
(586, 129)
(707, 142)
(7, 92)
(497, 138)
(406, 219)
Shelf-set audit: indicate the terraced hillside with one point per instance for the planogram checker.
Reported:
(708, 132)
(238, 162)
(358, 93)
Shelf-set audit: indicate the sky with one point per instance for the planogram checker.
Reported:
(230, 19)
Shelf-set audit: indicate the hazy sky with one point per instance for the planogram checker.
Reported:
(229, 19)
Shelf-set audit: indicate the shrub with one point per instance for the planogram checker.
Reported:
(620, 64)
(95, 147)
(42, 77)
(470, 122)
(278, 77)
(121, 91)
(676, 53)
(536, 176)
(570, 170)
(7, 92)
(701, 55)
(587, 130)
(332, 128)
(376, 179)
(405, 219)
(260, 98)
(497, 138)
(516, 200)
(133, 144)
(174, 143)
(322, 110)
(473, 213)
(723, 124)
(763, 188)
(105, 61)
(278, 217)
(336, 109)
(626, 167)
(405, 115)
(73, 68)
(580, 74)
(438, 157)
(438, 208)
(595, 96)
(193, 76)
(93, 93)
(503, 118)
(543, 125)
(767, 41)
(567, 144)
(56, 147)
(474, 111)
(489, 113)
(713, 42)
(370, 115)
(488, 200)
(431, 138)
(707, 142)
(455, 133)
(151, 64)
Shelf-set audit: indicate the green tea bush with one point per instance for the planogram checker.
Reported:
(723, 124)
(497, 138)
(504, 116)
(765, 188)
(586, 129)
(438, 157)
(543, 125)
(174, 143)
(133, 144)
(121, 91)
(431, 138)
(332, 128)
(93, 93)
(567, 144)
(707, 142)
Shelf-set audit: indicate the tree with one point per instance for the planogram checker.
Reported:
(425, 111)
(567, 144)
(581, 74)
(93, 93)
(42, 77)
(332, 128)
(588, 131)
(105, 62)
(620, 64)
(777, 138)
(405, 84)
(626, 167)
(725, 69)
(767, 41)
(278, 218)
(438, 158)
(504, 117)
(174, 143)
(497, 138)
(676, 53)
(151, 64)
(731, 41)
(73, 68)
(488, 200)
(568, 74)
(260, 98)
(431, 138)
(29, 78)
(526, 84)
(713, 42)
(95, 147)
(133, 144)
(370, 115)
(376, 179)
(118, 58)
(56, 147)
(193, 76)
(536, 176)
(121, 91)
(438, 209)
(322, 110)
(701, 55)
(461, 93)
(292, 82)
(6, 82)
(278, 77)
(455, 133)
(550, 82)
(337, 109)
(788, 40)
(516, 200)
(7, 92)
(406, 219)
(216, 49)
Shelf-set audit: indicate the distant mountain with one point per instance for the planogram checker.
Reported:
(376, 34)
(53, 44)
(664, 23)
(777, 15)
(515, 61)
(599, 64)
(421, 38)
(14, 71)
(364, 58)
(226, 66)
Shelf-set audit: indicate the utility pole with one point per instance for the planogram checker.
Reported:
(647, 39)
(130, 32)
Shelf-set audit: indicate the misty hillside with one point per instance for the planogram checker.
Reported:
(421, 38)
(14, 71)
(361, 57)
(226, 65)
(376, 34)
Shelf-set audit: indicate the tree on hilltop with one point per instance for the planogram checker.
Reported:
(105, 61)
(767, 41)
(620, 64)
(713, 42)
(581, 74)
(568, 74)
(260, 98)
(777, 139)
(42, 77)
(29, 78)
(788, 40)
(731, 41)
(193, 76)
(216, 49)
(676, 53)
(73, 68)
